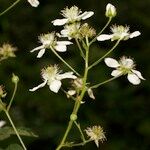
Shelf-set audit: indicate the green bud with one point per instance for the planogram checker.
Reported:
(15, 79)
(110, 11)
(73, 117)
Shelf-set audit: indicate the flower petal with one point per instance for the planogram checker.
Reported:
(135, 34)
(41, 52)
(39, 86)
(2, 123)
(127, 62)
(34, 3)
(90, 93)
(64, 33)
(110, 62)
(134, 79)
(59, 22)
(37, 48)
(116, 73)
(55, 86)
(66, 75)
(64, 43)
(86, 14)
(138, 73)
(61, 48)
(104, 37)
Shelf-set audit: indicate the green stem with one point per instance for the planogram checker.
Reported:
(104, 82)
(108, 22)
(82, 135)
(79, 46)
(100, 59)
(11, 122)
(64, 61)
(12, 98)
(10, 7)
(78, 101)
(79, 144)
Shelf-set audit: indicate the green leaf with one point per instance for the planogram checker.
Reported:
(14, 147)
(6, 132)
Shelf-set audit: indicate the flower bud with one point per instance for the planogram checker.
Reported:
(15, 79)
(73, 117)
(110, 11)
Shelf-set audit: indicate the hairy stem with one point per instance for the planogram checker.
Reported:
(100, 59)
(12, 124)
(12, 98)
(108, 22)
(78, 101)
(64, 61)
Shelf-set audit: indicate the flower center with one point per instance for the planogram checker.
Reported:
(71, 14)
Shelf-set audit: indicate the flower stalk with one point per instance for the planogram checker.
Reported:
(101, 58)
(10, 7)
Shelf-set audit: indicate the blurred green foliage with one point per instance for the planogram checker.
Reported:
(120, 108)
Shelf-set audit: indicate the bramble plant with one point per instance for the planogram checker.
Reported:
(77, 32)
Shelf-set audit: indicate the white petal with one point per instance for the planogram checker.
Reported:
(61, 48)
(59, 22)
(64, 33)
(37, 48)
(41, 52)
(66, 75)
(128, 63)
(134, 79)
(2, 123)
(86, 14)
(71, 92)
(64, 43)
(110, 62)
(104, 37)
(34, 3)
(39, 86)
(90, 93)
(138, 73)
(116, 73)
(135, 34)
(55, 86)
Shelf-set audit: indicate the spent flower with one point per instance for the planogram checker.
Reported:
(52, 76)
(96, 134)
(50, 41)
(2, 92)
(72, 15)
(7, 51)
(34, 3)
(110, 11)
(123, 67)
(119, 32)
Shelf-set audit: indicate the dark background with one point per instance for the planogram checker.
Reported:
(121, 108)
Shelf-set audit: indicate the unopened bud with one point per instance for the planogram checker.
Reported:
(110, 11)
(73, 117)
(15, 79)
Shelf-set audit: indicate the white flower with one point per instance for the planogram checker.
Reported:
(71, 31)
(110, 10)
(72, 15)
(52, 77)
(34, 3)
(123, 67)
(2, 123)
(96, 134)
(118, 33)
(49, 41)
